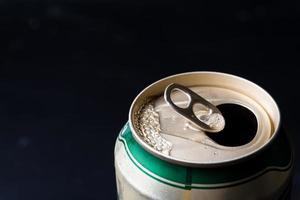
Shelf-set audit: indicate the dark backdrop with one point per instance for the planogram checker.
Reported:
(70, 69)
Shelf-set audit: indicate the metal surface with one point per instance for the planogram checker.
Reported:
(188, 141)
(211, 121)
(141, 176)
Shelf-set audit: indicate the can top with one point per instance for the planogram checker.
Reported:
(170, 135)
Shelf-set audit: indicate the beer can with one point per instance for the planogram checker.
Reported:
(203, 135)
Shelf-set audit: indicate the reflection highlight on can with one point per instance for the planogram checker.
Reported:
(203, 135)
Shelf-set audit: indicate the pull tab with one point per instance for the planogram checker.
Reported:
(211, 121)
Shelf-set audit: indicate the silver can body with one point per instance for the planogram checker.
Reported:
(265, 174)
(140, 175)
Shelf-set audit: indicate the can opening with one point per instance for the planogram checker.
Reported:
(239, 120)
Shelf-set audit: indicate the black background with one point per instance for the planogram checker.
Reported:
(70, 70)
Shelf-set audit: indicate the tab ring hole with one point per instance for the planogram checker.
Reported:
(180, 98)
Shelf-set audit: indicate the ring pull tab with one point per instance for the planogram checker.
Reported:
(211, 121)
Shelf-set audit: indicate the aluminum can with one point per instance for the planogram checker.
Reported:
(163, 154)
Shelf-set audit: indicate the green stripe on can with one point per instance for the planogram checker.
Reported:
(276, 158)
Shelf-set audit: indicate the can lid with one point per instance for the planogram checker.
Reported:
(181, 122)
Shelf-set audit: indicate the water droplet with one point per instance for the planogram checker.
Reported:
(150, 129)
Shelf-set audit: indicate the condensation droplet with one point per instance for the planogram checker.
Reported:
(149, 126)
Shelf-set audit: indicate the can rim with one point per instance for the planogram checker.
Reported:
(205, 164)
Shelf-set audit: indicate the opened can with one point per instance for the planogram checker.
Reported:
(203, 135)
